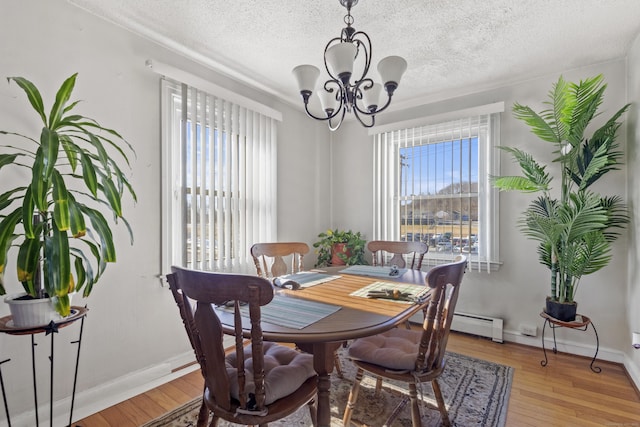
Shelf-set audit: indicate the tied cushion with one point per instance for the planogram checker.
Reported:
(285, 370)
(395, 349)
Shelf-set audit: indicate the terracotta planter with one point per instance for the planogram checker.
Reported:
(28, 312)
(335, 250)
(565, 312)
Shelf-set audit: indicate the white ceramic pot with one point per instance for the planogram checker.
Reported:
(30, 313)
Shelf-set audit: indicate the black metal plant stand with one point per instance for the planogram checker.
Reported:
(77, 313)
(581, 325)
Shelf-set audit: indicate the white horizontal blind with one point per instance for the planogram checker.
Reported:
(432, 185)
(223, 167)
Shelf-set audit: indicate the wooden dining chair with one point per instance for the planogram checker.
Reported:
(257, 383)
(413, 356)
(413, 251)
(271, 258)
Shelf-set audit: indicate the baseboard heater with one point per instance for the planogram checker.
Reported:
(475, 324)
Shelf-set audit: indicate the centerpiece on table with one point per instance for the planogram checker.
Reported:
(339, 247)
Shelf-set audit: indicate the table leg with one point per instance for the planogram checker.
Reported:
(323, 362)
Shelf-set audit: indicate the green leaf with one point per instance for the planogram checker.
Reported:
(60, 203)
(62, 304)
(80, 273)
(113, 196)
(39, 185)
(28, 263)
(7, 159)
(102, 153)
(101, 228)
(63, 95)
(28, 211)
(6, 198)
(32, 94)
(57, 263)
(89, 174)
(76, 217)
(7, 227)
(70, 151)
(50, 145)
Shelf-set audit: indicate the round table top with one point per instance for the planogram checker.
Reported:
(6, 323)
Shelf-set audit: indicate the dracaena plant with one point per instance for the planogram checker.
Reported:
(53, 221)
(573, 225)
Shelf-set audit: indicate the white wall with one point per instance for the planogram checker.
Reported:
(133, 332)
(633, 179)
(517, 291)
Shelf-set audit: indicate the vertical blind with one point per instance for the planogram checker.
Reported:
(223, 191)
(432, 185)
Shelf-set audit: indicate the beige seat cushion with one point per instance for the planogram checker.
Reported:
(395, 349)
(285, 371)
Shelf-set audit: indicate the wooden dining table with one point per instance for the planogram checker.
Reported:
(357, 317)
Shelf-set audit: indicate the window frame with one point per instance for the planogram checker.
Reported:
(387, 187)
(255, 142)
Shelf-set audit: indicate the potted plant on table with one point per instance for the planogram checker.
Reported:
(339, 247)
(575, 228)
(52, 217)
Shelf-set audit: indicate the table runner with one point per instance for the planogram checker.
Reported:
(370, 270)
(416, 292)
(307, 279)
(296, 313)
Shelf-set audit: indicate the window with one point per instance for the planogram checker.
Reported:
(432, 185)
(219, 180)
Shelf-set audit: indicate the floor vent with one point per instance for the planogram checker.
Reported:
(475, 324)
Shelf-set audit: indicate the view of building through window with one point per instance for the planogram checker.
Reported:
(439, 195)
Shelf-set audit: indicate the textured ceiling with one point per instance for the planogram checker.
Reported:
(452, 47)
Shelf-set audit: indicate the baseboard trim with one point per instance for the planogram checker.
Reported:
(98, 398)
(579, 349)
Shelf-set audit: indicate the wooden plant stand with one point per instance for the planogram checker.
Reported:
(77, 313)
(581, 325)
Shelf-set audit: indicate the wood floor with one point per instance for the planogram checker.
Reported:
(565, 393)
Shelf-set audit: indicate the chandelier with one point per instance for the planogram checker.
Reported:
(342, 93)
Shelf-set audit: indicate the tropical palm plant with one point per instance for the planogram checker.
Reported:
(46, 217)
(574, 231)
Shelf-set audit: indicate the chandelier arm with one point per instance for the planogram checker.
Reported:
(361, 85)
(367, 48)
(356, 112)
(310, 114)
(333, 128)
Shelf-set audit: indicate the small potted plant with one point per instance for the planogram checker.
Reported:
(52, 217)
(339, 247)
(573, 225)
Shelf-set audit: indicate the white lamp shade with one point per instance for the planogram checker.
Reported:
(391, 69)
(340, 58)
(327, 99)
(307, 76)
(372, 96)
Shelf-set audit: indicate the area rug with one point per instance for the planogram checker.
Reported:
(476, 393)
